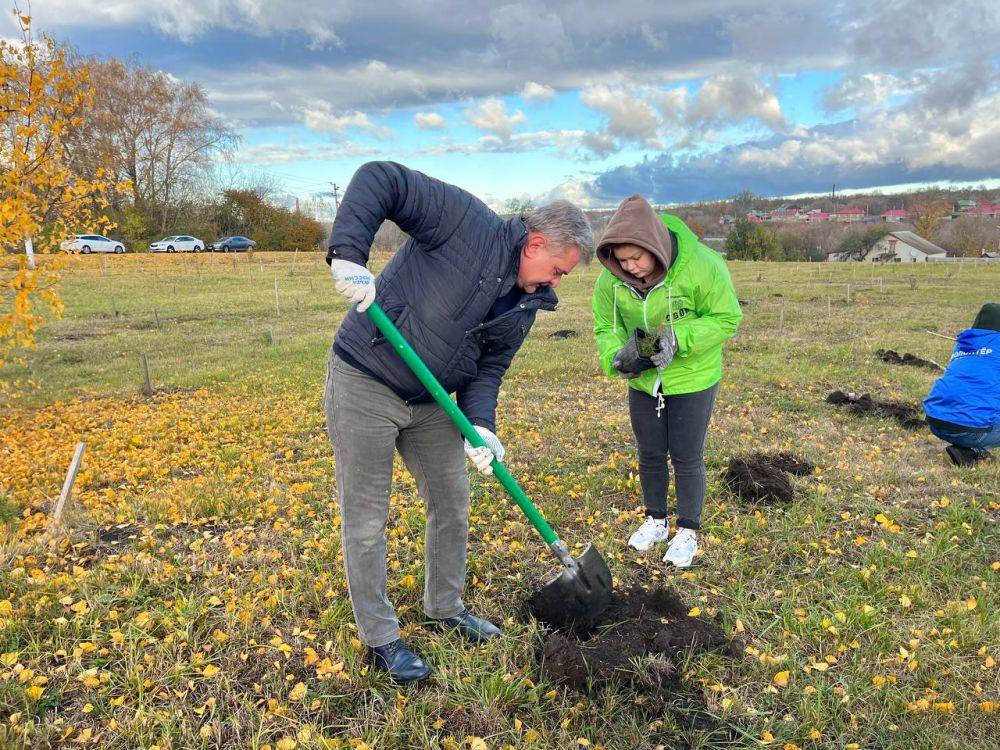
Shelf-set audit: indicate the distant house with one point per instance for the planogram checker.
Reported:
(991, 210)
(964, 205)
(816, 215)
(895, 215)
(903, 247)
(785, 214)
(850, 214)
(754, 219)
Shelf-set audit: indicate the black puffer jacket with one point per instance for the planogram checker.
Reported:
(438, 288)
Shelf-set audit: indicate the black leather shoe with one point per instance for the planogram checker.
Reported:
(403, 665)
(470, 627)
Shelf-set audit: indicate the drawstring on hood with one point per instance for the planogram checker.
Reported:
(636, 223)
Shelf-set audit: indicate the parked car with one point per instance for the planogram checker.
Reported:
(91, 243)
(180, 243)
(234, 243)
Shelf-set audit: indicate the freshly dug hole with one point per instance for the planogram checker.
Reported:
(641, 640)
(905, 414)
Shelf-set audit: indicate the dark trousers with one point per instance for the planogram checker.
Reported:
(677, 432)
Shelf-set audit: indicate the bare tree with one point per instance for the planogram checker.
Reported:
(153, 130)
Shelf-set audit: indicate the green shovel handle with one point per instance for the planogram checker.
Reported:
(426, 377)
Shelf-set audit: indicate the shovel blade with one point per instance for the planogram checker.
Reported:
(577, 597)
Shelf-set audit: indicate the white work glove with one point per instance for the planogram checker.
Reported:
(482, 457)
(355, 282)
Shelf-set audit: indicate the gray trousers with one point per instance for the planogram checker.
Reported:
(678, 431)
(367, 423)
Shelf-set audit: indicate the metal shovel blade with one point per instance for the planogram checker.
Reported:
(578, 596)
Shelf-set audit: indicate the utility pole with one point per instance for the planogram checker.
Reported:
(336, 198)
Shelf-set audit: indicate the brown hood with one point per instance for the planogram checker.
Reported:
(636, 223)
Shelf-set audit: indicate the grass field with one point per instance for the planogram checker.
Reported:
(198, 599)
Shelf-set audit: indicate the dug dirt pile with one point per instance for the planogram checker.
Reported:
(762, 478)
(911, 360)
(641, 640)
(905, 414)
(564, 333)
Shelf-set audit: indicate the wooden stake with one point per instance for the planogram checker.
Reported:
(67, 489)
(848, 294)
(942, 336)
(277, 308)
(148, 387)
(270, 333)
(156, 318)
(294, 258)
(781, 320)
(114, 307)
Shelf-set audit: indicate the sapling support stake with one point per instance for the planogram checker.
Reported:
(67, 489)
(147, 387)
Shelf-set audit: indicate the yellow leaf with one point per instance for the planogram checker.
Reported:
(34, 692)
(477, 743)
(694, 612)
(210, 670)
(781, 679)
(298, 692)
(286, 743)
(905, 600)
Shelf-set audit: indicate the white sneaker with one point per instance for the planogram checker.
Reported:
(682, 548)
(653, 531)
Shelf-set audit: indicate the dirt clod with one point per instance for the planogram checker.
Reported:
(641, 640)
(905, 414)
(563, 333)
(757, 479)
(911, 360)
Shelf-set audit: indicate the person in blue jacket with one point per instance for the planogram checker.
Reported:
(963, 407)
(463, 291)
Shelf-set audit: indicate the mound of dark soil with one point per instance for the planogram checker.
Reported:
(641, 640)
(893, 358)
(757, 479)
(905, 414)
(785, 461)
(563, 333)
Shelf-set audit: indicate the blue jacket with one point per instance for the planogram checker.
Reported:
(968, 394)
(438, 288)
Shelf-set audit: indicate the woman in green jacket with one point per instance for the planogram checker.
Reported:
(663, 307)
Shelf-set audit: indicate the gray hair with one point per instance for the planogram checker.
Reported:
(564, 225)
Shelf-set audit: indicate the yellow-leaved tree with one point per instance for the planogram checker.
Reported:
(42, 98)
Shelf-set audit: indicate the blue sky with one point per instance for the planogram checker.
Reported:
(586, 100)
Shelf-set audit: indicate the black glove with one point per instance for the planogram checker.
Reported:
(630, 362)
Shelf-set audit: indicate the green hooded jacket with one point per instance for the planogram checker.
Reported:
(698, 294)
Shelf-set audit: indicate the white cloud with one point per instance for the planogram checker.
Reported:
(630, 117)
(565, 141)
(322, 118)
(491, 115)
(537, 92)
(278, 153)
(866, 90)
(913, 138)
(577, 192)
(734, 98)
(428, 121)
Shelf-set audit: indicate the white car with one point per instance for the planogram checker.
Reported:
(180, 243)
(91, 243)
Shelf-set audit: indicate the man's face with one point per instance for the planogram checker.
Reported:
(539, 266)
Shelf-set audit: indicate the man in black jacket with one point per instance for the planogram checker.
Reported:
(463, 291)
